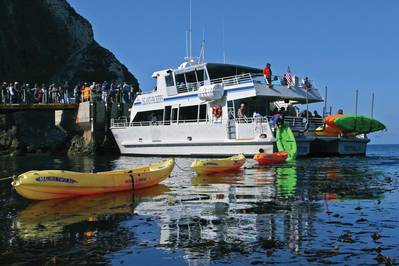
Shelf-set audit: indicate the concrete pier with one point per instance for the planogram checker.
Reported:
(58, 128)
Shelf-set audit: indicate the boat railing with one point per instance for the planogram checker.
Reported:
(226, 81)
(295, 123)
(123, 123)
(300, 124)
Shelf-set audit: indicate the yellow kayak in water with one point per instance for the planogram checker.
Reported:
(214, 166)
(52, 184)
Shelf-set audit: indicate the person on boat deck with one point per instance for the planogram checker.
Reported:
(340, 112)
(267, 73)
(154, 119)
(291, 111)
(306, 83)
(282, 111)
(241, 112)
(261, 150)
(277, 120)
(276, 81)
(316, 114)
(274, 111)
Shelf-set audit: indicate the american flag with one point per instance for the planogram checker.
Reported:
(288, 77)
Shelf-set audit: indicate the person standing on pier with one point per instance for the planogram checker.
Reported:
(3, 93)
(125, 92)
(104, 91)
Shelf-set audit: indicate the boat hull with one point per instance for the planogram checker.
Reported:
(328, 146)
(52, 184)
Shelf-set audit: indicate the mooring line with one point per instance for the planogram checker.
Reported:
(6, 178)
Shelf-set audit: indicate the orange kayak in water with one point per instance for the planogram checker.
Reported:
(271, 158)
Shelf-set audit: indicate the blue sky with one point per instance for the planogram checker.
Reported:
(345, 45)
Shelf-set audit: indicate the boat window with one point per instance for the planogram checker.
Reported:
(190, 77)
(169, 80)
(180, 80)
(149, 116)
(174, 114)
(201, 75)
(224, 70)
(167, 115)
(188, 113)
(202, 112)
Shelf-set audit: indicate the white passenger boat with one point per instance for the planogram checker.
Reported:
(192, 111)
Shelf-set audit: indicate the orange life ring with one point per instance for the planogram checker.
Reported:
(217, 111)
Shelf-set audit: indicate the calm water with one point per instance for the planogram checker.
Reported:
(314, 211)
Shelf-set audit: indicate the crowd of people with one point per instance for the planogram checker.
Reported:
(15, 92)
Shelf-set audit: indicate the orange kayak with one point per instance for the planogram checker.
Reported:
(330, 120)
(277, 157)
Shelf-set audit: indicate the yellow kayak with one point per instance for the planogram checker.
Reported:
(214, 166)
(52, 184)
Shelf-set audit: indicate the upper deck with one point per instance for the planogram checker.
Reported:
(181, 85)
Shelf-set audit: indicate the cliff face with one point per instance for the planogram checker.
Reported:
(46, 40)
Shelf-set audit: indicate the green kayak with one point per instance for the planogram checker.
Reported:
(358, 123)
(286, 141)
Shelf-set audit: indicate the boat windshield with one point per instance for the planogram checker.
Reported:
(216, 71)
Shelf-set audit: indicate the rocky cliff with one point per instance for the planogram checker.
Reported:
(46, 40)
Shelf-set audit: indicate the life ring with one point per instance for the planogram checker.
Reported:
(217, 111)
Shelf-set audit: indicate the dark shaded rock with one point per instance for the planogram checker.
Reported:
(78, 145)
(46, 40)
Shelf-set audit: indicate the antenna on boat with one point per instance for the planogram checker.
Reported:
(190, 32)
(189, 56)
(201, 58)
(224, 48)
(186, 44)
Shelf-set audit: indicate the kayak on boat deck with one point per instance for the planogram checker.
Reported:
(359, 124)
(51, 184)
(330, 120)
(328, 131)
(214, 166)
(277, 157)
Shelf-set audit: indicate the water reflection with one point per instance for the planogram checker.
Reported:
(264, 209)
(46, 220)
(275, 213)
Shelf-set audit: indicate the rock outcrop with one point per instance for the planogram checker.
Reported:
(46, 40)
